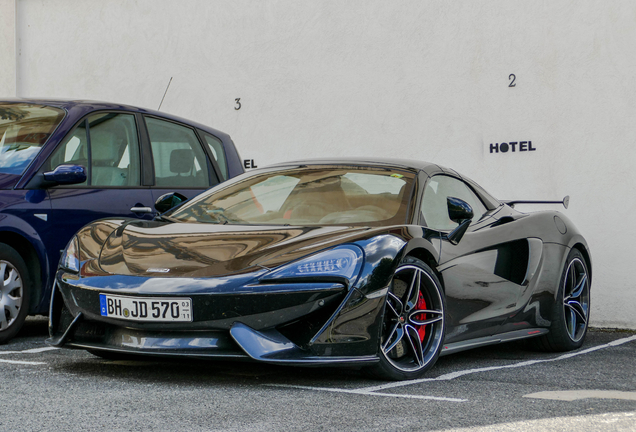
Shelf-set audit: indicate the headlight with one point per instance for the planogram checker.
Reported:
(340, 262)
(70, 257)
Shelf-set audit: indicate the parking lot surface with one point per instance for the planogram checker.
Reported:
(505, 387)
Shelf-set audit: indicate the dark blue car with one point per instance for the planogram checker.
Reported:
(64, 164)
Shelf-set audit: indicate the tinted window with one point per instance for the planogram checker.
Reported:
(111, 155)
(307, 196)
(24, 128)
(216, 148)
(178, 157)
(434, 207)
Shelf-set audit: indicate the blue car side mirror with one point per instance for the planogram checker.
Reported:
(66, 175)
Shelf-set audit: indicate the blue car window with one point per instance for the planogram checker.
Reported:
(114, 150)
(24, 128)
(73, 150)
(109, 150)
(178, 157)
(216, 147)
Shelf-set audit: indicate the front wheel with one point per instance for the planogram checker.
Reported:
(14, 292)
(413, 323)
(572, 308)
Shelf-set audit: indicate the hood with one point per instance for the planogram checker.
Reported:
(7, 181)
(205, 250)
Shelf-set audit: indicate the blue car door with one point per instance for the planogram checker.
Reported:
(107, 144)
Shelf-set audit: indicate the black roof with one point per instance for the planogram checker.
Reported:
(414, 165)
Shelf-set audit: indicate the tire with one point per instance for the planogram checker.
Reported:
(15, 290)
(571, 313)
(413, 323)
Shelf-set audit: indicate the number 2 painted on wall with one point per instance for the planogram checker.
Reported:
(512, 77)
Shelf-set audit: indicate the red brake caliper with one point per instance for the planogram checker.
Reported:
(421, 304)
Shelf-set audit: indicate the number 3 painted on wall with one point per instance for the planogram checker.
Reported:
(513, 78)
(238, 104)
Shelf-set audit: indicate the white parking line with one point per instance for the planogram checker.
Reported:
(572, 395)
(458, 374)
(22, 362)
(367, 393)
(29, 351)
(373, 390)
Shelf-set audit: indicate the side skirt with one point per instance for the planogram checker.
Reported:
(491, 340)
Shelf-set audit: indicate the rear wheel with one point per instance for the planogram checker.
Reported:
(413, 323)
(572, 309)
(14, 292)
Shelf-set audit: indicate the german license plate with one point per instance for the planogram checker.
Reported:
(157, 309)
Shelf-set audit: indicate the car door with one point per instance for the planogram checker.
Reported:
(484, 272)
(107, 145)
(181, 162)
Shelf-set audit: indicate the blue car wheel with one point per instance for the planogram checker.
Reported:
(14, 292)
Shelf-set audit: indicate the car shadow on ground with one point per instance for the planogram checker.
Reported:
(198, 372)
(34, 326)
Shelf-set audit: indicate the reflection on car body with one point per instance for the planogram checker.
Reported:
(384, 264)
(64, 164)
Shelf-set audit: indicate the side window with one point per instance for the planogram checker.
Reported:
(434, 208)
(106, 145)
(114, 150)
(178, 156)
(216, 147)
(73, 150)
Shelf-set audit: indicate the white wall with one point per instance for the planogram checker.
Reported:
(413, 79)
(7, 48)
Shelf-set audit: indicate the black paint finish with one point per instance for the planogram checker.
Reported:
(500, 278)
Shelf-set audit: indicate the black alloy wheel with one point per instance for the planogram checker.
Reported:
(413, 324)
(572, 308)
(14, 292)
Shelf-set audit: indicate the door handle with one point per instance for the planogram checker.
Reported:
(141, 210)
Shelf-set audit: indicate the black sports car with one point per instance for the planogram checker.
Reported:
(385, 264)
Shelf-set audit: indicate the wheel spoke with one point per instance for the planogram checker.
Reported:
(398, 303)
(400, 334)
(572, 324)
(388, 339)
(578, 310)
(414, 291)
(578, 289)
(419, 322)
(12, 303)
(571, 281)
(12, 282)
(416, 344)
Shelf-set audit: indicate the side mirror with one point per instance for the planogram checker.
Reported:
(66, 175)
(460, 212)
(166, 201)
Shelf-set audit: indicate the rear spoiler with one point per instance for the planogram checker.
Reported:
(565, 202)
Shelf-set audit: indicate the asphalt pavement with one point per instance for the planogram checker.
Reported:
(507, 387)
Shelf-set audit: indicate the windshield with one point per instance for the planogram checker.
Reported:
(317, 195)
(24, 128)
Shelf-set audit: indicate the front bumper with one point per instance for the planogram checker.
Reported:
(277, 323)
